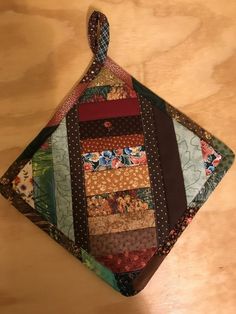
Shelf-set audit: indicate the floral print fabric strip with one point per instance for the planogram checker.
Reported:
(114, 159)
(120, 202)
(23, 184)
(211, 158)
(109, 92)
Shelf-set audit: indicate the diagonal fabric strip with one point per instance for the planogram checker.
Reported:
(108, 109)
(171, 165)
(155, 170)
(43, 181)
(77, 182)
(62, 178)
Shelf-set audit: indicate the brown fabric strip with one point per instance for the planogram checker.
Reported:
(155, 170)
(171, 165)
(77, 182)
(123, 241)
(111, 142)
(110, 127)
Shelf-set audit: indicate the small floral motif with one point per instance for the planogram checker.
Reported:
(211, 158)
(108, 125)
(113, 159)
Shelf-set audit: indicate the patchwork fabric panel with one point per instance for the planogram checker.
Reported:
(117, 174)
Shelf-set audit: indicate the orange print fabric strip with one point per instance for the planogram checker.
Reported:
(116, 180)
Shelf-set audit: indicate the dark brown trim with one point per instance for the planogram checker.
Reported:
(79, 205)
(171, 166)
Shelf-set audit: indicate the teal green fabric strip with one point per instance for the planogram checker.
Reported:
(99, 269)
(148, 94)
(62, 178)
(43, 181)
(192, 163)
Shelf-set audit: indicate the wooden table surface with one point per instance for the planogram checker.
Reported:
(184, 50)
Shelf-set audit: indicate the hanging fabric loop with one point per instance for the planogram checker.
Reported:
(98, 34)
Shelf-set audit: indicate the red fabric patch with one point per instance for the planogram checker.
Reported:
(108, 109)
(127, 261)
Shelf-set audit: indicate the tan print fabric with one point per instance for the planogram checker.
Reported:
(105, 77)
(116, 180)
(121, 222)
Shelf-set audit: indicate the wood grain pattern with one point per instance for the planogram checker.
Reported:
(182, 49)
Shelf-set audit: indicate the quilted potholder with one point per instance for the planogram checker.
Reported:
(117, 174)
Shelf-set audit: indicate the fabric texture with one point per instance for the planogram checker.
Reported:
(117, 174)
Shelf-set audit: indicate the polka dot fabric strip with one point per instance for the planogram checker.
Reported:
(77, 182)
(155, 171)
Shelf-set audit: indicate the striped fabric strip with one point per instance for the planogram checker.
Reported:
(119, 242)
(63, 192)
(111, 142)
(121, 222)
(111, 127)
(116, 180)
